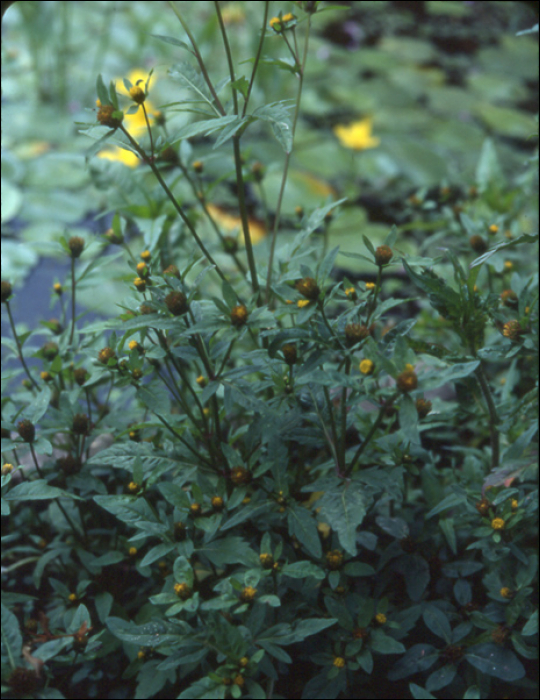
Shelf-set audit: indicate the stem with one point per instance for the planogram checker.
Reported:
(149, 130)
(170, 195)
(73, 286)
(332, 425)
(228, 354)
(286, 165)
(257, 58)
(244, 217)
(330, 329)
(344, 413)
(19, 348)
(199, 58)
(373, 302)
(372, 431)
(493, 416)
(229, 54)
(184, 442)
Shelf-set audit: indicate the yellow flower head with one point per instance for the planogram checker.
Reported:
(380, 618)
(132, 551)
(202, 381)
(339, 662)
(493, 228)
(357, 135)
(508, 265)
(302, 303)
(497, 523)
(288, 17)
(137, 94)
(248, 594)
(370, 286)
(366, 366)
(351, 293)
(506, 592)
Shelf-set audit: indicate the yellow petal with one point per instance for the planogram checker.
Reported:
(357, 135)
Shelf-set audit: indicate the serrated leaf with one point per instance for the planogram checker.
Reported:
(496, 661)
(344, 508)
(150, 634)
(242, 85)
(303, 569)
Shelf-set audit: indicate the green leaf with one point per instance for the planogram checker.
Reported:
(488, 169)
(205, 126)
(496, 661)
(102, 92)
(39, 405)
(302, 525)
(369, 246)
(205, 689)
(441, 297)
(438, 623)
(37, 490)
(11, 637)
(524, 238)
(418, 658)
(382, 643)
(321, 687)
(408, 419)
(242, 85)
(451, 501)
(150, 634)
(173, 41)
(158, 552)
(420, 693)
(277, 113)
(303, 569)
(531, 626)
(473, 693)
(229, 550)
(344, 508)
(307, 628)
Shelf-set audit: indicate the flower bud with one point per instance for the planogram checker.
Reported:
(183, 591)
(27, 430)
(512, 330)
(509, 297)
(105, 355)
(176, 302)
(240, 475)
(407, 381)
(80, 375)
(478, 244)
(308, 288)
(76, 246)
(49, 350)
(334, 559)
(105, 116)
(239, 315)
(289, 353)
(7, 290)
(423, 407)
(354, 333)
(230, 244)
(81, 424)
(383, 255)
(171, 271)
(137, 94)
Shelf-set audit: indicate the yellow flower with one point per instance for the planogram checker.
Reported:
(137, 94)
(72, 597)
(133, 486)
(351, 293)
(380, 618)
(339, 662)
(366, 366)
(248, 594)
(132, 551)
(493, 228)
(202, 381)
(506, 592)
(514, 504)
(357, 135)
(58, 288)
(146, 255)
(288, 17)
(497, 523)
(508, 265)
(233, 14)
(302, 303)
(370, 286)
(182, 590)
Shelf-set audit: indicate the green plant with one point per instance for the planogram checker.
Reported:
(237, 486)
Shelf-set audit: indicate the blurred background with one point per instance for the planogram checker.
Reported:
(398, 102)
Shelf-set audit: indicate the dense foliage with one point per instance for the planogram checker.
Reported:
(267, 476)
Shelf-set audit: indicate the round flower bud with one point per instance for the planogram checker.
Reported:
(380, 619)
(512, 330)
(239, 680)
(132, 551)
(137, 373)
(49, 350)
(267, 561)
(112, 237)
(383, 255)
(239, 315)
(137, 94)
(27, 430)
(483, 506)
(176, 302)
(367, 367)
(506, 593)
(217, 503)
(339, 662)
(80, 375)
(497, 524)
(202, 381)
(248, 594)
(6, 290)
(81, 424)
(240, 475)
(493, 229)
(276, 25)
(257, 170)
(334, 560)
(198, 166)
(478, 244)
(407, 381)
(183, 591)
(146, 309)
(423, 407)
(76, 246)
(105, 355)
(142, 269)
(55, 326)
(299, 211)
(69, 464)
(146, 255)
(105, 116)
(289, 353)
(133, 487)
(140, 284)
(354, 333)
(7, 468)
(58, 289)
(195, 509)
(308, 288)
(171, 271)
(509, 297)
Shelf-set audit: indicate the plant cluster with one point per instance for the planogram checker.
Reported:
(259, 480)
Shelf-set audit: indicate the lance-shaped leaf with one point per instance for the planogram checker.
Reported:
(344, 508)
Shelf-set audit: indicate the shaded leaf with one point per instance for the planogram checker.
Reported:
(344, 508)
(420, 657)
(495, 661)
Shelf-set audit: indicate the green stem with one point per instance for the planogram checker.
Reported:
(199, 58)
(373, 302)
(172, 198)
(330, 329)
(184, 442)
(244, 217)
(286, 165)
(257, 58)
(493, 416)
(19, 348)
(344, 412)
(73, 286)
(372, 431)
(226, 358)
(149, 131)
(229, 54)
(332, 425)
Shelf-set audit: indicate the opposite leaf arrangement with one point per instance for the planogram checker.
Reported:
(262, 479)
